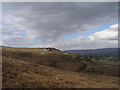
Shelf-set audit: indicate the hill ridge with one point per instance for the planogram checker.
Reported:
(98, 52)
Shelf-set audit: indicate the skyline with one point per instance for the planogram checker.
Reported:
(65, 26)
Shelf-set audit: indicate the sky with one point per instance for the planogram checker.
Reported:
(61, 25)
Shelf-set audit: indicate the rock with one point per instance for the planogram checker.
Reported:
(95, 70)
(83, 67)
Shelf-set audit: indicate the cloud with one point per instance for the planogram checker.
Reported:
(0, 34)
(102, 39)
(109, 34)
(48, 22)
(61, 1)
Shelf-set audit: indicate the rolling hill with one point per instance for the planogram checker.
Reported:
(52, 68)
(98, 52)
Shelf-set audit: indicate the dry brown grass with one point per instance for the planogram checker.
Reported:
(31, 68)
(18, 73)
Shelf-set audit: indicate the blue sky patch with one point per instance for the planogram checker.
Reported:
(92, 31)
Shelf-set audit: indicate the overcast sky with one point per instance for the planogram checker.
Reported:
(65, 26)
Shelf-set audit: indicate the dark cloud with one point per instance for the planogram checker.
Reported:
(50, 21)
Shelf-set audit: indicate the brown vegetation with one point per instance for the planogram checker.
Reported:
(51, 68)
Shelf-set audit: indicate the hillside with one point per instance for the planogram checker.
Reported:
(49, 67)
(98, 52)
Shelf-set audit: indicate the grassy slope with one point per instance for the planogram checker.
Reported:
(30, 68)
(50, 58)
(18, 73)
